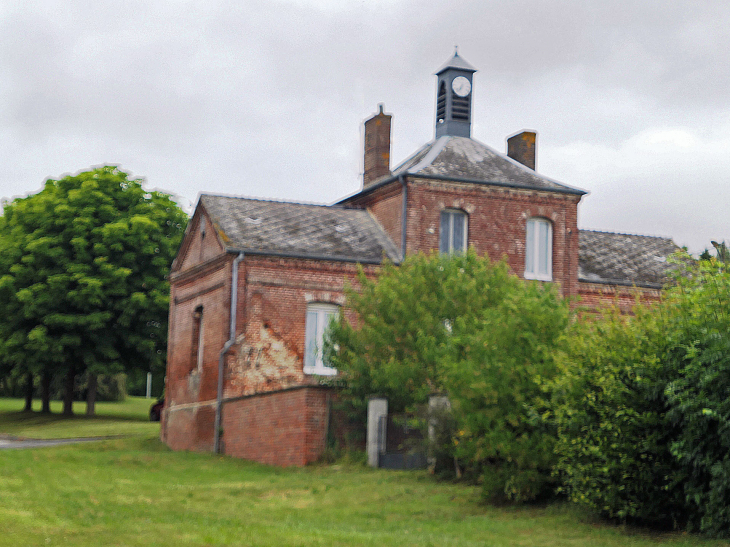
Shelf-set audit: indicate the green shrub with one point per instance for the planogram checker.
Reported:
(642, 408)
(469, 328)
(610, 412)
(698, 313)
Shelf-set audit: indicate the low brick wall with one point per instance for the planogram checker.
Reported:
(189, 427)
(284, 428)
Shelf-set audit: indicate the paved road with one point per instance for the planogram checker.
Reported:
(39, 443)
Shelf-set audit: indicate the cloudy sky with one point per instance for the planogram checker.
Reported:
(266, 98)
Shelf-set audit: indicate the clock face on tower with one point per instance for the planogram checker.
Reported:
(461, 86)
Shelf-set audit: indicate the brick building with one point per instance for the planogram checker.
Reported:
(256, 281)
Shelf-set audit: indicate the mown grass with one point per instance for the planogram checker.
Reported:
(130, 417)
(134, 491)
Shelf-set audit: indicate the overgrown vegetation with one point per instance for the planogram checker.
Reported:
(644, 421)
(467, 327)
(630, 413)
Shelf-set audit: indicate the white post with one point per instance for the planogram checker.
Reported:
(377, 420)
(149, 385)
(438, 406)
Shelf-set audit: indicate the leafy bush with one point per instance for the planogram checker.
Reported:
(610, 411)
(642, 408)
(698, 363)
(467, 327)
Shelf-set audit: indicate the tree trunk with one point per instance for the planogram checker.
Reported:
(91, 395)
(68, 392)
(29, 393)
(46, 392)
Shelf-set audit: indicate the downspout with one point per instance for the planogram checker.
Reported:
(221, 359)
(404, 224)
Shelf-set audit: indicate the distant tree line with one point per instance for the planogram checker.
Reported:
(628, 415)
(83, 285)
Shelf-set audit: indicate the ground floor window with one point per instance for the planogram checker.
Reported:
(318, 318)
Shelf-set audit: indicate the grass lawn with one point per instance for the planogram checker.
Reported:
(134, 491)
(130, 417)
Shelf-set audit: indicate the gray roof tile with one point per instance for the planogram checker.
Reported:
(624, 259)
(299, 230)
(467, 159)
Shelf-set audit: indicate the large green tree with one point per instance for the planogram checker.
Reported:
(83, 266)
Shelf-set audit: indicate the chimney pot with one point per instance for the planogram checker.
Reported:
(522, 147)
(377, 147)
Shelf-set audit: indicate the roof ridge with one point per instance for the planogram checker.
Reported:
(626, 234)
(273, 200)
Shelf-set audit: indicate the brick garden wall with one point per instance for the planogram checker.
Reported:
(282, 428)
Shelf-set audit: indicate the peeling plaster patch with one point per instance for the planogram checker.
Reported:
(266, 365)
(194, 383)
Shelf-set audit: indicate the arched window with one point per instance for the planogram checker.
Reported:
(539, 250)
(453, 235)
(318, 319)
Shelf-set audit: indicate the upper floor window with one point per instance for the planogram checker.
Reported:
(318, 319)
(453, 231)
(539, 250)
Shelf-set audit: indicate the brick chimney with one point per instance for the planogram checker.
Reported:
(521, 147)
(377, 147)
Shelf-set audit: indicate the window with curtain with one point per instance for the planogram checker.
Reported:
(318, 319)
(539, 250)
(453, 231)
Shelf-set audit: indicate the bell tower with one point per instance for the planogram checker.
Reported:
(453, 98)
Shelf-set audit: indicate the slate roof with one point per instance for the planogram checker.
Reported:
(624, 259)
(463, 158)
(298, 230)
(456, 61)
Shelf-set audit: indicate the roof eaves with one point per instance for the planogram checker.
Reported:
(310, 256)
(560, 190)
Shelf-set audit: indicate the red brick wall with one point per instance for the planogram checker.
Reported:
(497, 220)
(279, 428)
(497, 223)
(595, 296)
(189, 427)
(273, 298)
(268, 356)
(201, 277)
(386, 205)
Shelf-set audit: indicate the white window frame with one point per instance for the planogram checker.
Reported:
(451, 215)
(535, 246)
(318, 318)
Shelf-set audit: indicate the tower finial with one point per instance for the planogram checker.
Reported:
(456, 51)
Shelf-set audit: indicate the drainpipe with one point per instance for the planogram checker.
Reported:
(404, 224)
(221, 359)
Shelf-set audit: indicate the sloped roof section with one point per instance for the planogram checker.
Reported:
(462, 158)
(299, 230)
(456, 61)
(624, 259)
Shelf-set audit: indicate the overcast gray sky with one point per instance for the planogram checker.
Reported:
(266, 98)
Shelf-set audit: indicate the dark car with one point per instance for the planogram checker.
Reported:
(156, 410)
